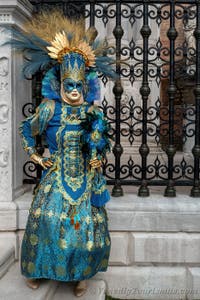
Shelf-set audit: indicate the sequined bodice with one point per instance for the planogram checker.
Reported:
(70, 157)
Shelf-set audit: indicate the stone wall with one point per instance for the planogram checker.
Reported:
(14, 93)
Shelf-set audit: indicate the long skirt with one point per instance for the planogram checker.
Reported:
(63, 241)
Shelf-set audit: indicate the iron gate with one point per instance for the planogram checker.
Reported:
(154, 106)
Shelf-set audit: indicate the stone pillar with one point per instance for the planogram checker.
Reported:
(188, 29)
(14, 93)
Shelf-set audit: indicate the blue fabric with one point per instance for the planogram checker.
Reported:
(51, 85)
(100, 194)
(66, 236)
(93, 84)
(99, 200)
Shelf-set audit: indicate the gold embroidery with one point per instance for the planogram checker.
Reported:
(99, 218)
(72, 119)
(33, 239)
(62, 243)
(90, 258)
(73, 270)
(63, 216)
(83, 197)
(35, 225)
(88, 219)
(31, 267)
(73, 162)
(47, 107)
(62, 230)
(101, 244)
(87, 271)
(50, 214)
(57, 167)
(46, 241)
(95, 136)
(89, 245)
(104, 263)
(60, 271)
(61, 257)
(46, 267)
(107, 241)
(37, 212)
(47, 188)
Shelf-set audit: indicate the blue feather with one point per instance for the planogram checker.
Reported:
(34, 49)
(93, 84)
(100, 194)
(51, 84)
(37, 58)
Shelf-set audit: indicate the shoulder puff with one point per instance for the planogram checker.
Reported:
(95, 108)
(46, 104)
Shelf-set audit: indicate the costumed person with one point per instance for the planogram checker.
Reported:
(66, 236)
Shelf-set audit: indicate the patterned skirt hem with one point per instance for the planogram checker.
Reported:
(62, 279)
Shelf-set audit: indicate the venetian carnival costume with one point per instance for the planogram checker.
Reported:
(66, 236)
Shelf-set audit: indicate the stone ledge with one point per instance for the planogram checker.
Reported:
(10, 238)
(120, 253)
(194, 283)
(133, 213)
(96, 290)
(8, 216)
(152, 221)
(143, 248)
(7, 255)
(154, 203)
(154, 213)
(13, 287)
(165, 247)
(156, 283)
(15, 10)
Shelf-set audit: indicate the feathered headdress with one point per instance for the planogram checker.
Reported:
(48, 39)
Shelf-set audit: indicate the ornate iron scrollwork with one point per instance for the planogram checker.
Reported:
(154, 110)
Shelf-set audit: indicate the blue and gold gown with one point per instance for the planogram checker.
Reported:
(66, 237)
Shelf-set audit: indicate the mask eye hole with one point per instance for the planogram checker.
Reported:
(70, 84)
(79, 85)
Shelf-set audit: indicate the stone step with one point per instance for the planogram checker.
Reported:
(7, 256)
(13, 287)
(96, 290)
(152, 282)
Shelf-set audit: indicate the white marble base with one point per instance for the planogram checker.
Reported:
(152, 282)
(8, 216)
(7, 255)
(155, 243)
(96, 290)
(13, 287)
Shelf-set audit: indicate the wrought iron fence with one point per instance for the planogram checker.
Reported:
(154, 105)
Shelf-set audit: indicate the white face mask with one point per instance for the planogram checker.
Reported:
(73, 97)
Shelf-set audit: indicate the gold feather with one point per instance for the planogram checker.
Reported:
(91, 34)
(53, 27)
(46, 24)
